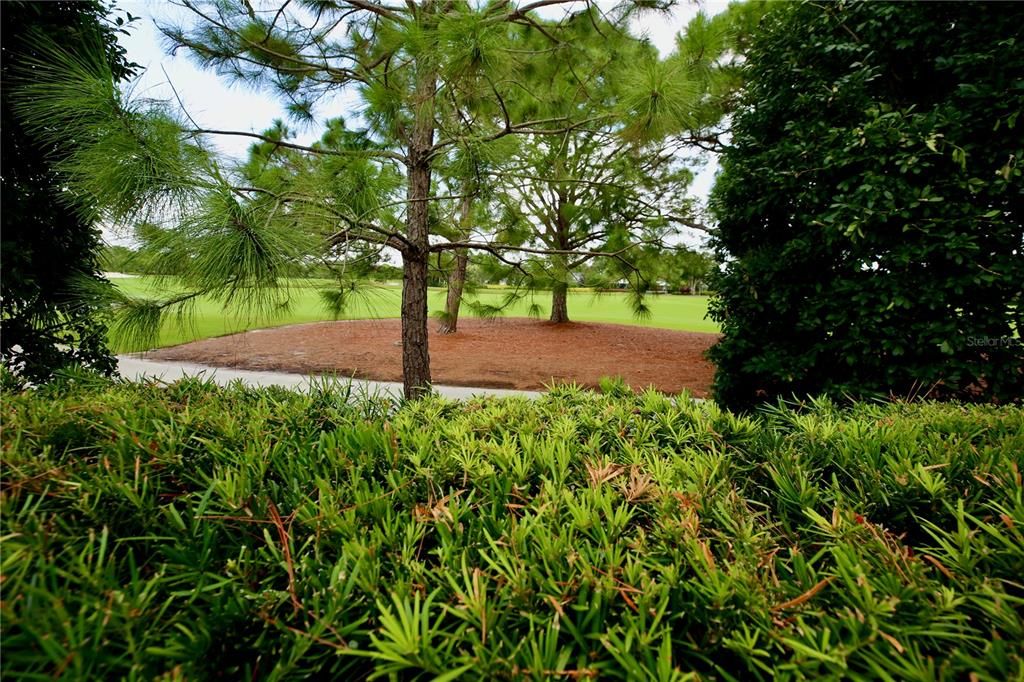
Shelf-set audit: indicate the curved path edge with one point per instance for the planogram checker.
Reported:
(136, 368)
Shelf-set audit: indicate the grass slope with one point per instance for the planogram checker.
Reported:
(685, 313)
(190, 532)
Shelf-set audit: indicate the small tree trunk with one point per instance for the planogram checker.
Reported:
(456, 283)
(559, 307)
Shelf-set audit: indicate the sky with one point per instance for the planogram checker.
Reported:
(216, 104)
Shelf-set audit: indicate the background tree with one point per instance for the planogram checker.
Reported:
(870, 207)
(685, 270)
(618, 190)
(119, 258)
(597, 198)
(46, 245)
(468, 178)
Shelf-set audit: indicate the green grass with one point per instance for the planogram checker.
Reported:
(686, 313)
(192, 532)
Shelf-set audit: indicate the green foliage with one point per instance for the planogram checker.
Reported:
(117, 258)
(870, 208)
(122, 159)
(188, 531)
(133, 163)
(47, 245)
(687, 270)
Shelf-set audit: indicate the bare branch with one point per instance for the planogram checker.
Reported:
(685, 222)
(525, 128)
(392, 13)
(305, 65)
(526, 9)
(394, 240)
(273, 24)
(381, 153)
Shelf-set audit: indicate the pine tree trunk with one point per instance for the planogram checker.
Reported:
(559, 307)
(456, 283)
(457, 278)
(415, 353)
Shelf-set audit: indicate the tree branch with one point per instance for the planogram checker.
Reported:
(394, 240)
(381, 153)
(392, 13)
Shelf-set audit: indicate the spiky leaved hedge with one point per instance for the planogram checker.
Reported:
(192, 532)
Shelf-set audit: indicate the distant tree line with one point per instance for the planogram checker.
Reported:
(679, 271)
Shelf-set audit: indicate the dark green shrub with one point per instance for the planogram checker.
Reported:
(870, 207)
(192, 532)
(47, 246)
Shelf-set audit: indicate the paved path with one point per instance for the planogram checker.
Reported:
(134, 367)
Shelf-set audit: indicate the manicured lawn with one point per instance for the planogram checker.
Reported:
(686, 313)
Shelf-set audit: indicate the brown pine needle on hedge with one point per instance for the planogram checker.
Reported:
(283, 536)
(805, 597)
(938, 564)
(892, 640)
(602, 472)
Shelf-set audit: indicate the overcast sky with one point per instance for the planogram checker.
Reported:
(214, 103)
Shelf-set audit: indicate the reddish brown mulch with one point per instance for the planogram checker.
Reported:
(506, 353)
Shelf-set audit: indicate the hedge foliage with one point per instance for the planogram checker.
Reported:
(47, 248)
(191, 532)
(870, 208)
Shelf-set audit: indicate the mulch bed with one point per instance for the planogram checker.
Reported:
(514, 353)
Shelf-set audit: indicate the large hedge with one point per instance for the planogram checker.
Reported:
(47, 247)
(870, 208)
(191, 532)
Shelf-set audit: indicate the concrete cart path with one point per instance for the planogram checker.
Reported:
(135, 368)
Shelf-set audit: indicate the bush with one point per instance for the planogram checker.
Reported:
(870, 210)
(48, 249)
(189, 531)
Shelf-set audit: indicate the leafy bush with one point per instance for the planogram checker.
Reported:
(189, 531)
(47, 248)
(870, 209)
